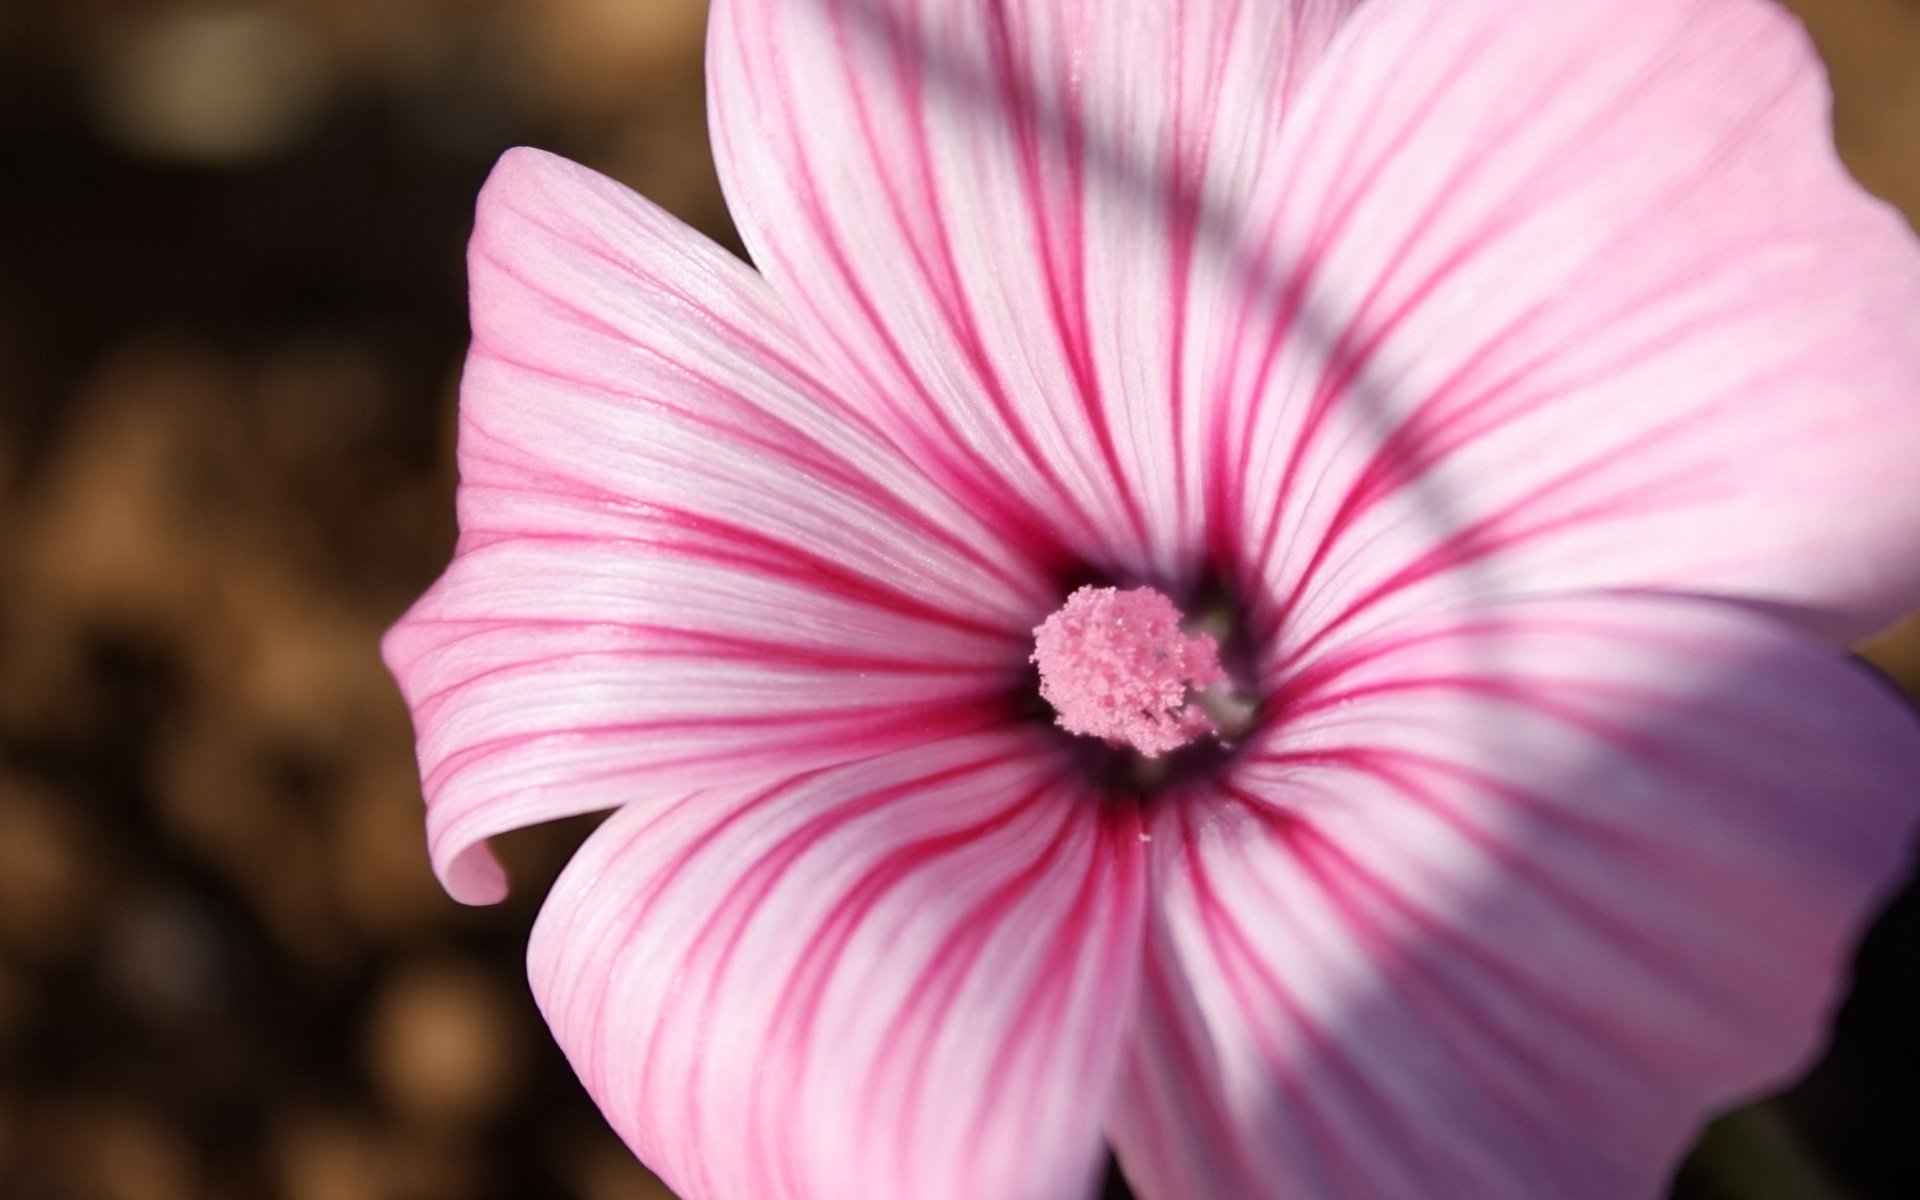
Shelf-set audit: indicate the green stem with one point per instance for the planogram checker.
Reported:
(1754, 1154)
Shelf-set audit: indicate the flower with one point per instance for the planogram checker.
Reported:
(1512, 403)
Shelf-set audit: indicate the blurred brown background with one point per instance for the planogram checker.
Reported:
(231, 318)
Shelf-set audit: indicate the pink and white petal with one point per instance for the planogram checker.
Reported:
(993, 215)
(1569, 295)
(1510, 904)
(906, 977)
(682, 561)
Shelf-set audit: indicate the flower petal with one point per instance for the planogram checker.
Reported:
(681, 560)
(1569, 295)
(1510, 904)
(992, 213)
(907, 977)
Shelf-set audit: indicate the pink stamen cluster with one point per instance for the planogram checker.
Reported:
(1116, 665)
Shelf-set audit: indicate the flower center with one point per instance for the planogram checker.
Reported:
(1117, 666)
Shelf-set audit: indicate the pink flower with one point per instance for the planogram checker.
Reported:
(1516, 402)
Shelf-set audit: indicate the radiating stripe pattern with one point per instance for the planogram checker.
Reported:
(996, 220)
(1530, 379)
(679, 554)
(1512, 902)
(1560, 296)
(821, 987)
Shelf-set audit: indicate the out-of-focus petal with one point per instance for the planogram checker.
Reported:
(1509, 904)
(993, 214)
(681, 562)
(909, 977)
(1549, 296)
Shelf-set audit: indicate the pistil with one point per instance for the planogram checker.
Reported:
(1117, 665)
